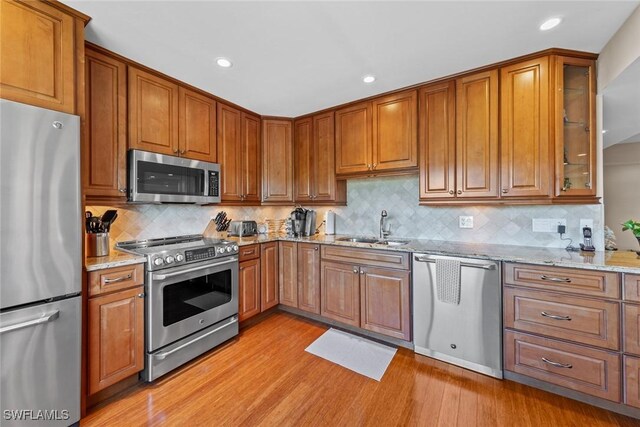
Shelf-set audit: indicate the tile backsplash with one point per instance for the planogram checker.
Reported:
(510, 225)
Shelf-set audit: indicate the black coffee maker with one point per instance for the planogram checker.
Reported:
(303, 222)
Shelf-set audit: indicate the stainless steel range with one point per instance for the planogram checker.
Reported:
(192, 298)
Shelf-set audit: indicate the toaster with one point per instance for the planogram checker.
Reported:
(243, 228)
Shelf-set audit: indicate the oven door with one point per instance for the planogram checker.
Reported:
(184, 300)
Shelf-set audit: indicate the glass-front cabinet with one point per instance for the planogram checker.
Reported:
(575, 128)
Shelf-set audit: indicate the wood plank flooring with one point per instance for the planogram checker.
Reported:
(264, 377)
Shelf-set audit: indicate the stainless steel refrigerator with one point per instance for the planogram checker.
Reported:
(40, 266)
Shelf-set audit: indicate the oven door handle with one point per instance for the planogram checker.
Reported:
(164, 354)
(191, 270)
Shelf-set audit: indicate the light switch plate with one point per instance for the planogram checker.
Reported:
(465, 221)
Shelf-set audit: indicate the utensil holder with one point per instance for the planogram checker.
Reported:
(97, 244)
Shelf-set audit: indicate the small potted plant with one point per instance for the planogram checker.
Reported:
(634, 226)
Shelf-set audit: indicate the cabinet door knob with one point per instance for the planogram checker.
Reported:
(141, 295)
(182, 151)
(374, 165)
(175, 151)
(459, 191)
(122, 190)
(451, 192)
(505, 190)
(355, 271)
(361, 271)
(369, 166)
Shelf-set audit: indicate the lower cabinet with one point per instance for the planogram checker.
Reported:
(309, 277)
(288, 273)
(368, 297)
(115, 326)
(632, 381)
(258, 279)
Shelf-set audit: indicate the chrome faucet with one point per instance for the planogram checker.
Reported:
(383, 233)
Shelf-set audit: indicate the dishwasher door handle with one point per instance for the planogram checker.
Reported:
(422, 258)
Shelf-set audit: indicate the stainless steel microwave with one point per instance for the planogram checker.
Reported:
(158, 178)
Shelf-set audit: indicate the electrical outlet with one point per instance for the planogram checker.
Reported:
(465, 221)
(586, 223)
(547, 225)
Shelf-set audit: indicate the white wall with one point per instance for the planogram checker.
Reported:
(620, 51)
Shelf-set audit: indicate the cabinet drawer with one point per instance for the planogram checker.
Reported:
(366, 256)
(114, 279)
(582, 320)
(249, 252)
(584, 282)
(632, 287)
(631, 328)
(632, 381)
(583, 369)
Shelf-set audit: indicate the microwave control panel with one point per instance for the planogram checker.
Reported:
(214, 183)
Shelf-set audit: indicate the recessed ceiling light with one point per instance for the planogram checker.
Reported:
(369, 79)
(550, 23)
(223, 62)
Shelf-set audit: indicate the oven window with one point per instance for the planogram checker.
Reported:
(158, 178)
(189, 298)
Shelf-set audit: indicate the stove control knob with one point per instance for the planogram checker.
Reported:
(158, 261)
(179, 257)
(169, 259)
(235, 247)
(229, 248)
(221, 250)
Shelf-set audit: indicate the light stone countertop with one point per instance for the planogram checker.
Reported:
(115, 258)
(617, 261)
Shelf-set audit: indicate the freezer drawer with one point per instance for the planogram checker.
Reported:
(40, 349)
(468, 334)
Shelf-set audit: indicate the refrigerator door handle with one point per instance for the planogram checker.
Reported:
(45, 318)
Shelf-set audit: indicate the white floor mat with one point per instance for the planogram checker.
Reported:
(363, 356)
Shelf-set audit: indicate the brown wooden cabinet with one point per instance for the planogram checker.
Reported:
(632, 381)
(249, 285)
(238, 154)
(153, 113)
(384, 304)
(358, 288)
(277, 161)
(340, 291)
(477, 135)
(378, 136)
(268, 275)
(395, 132)
(438, 141)
(526, 132)
(309, 277)
(115, 326)
(288, 273)
(41, 51)
(104, 163)
(197, 126)
(314, 166)
(575, 132)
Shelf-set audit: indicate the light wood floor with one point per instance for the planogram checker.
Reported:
(264, 377)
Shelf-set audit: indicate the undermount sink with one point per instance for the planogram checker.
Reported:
(386, 242)
(358, 239)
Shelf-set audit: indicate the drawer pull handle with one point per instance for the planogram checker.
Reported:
(554, 316)
(556, 279)
(557, 364)
(118, 279)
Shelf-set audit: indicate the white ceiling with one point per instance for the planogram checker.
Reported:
(621, 107)
(292, 58)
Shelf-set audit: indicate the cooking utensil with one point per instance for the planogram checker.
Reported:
(108, 218)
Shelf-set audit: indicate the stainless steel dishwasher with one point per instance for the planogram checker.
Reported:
(468, 334)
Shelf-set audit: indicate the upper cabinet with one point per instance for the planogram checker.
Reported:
(575, 128)
(170, 119)
(153, 113)
(314, 170)
(378, 136)
(42, 52)
(525, 139)
(239, 155)
(105, 139)
(197, 126)
(277, 161)
(477, 135)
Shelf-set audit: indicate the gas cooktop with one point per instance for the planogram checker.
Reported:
(174, 251)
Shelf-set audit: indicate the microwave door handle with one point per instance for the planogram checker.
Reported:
(191, 270)
(206, 182)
